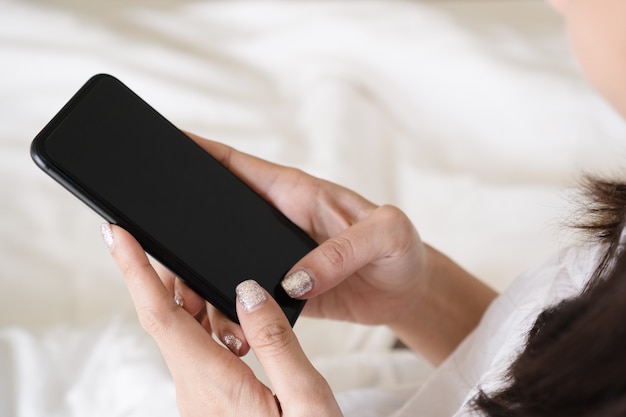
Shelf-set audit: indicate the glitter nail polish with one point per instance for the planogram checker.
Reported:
(250, 295)
(107, 234)
(179, 300)
(297, 283)
(232, 342)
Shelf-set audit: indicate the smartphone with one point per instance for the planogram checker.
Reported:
(123, 159)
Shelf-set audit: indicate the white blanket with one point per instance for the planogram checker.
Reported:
(469, 115)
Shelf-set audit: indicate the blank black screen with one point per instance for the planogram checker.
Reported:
(136, 169)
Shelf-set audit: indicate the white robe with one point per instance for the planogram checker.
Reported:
(485, 355)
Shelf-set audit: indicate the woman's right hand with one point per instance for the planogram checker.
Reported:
(370, 261)
(371, 266)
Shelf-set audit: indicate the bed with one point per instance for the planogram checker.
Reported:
(469, 115)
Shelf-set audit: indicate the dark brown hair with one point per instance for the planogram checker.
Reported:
(574, 362)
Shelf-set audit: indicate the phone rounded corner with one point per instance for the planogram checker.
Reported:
(38, 154)
(101, 76)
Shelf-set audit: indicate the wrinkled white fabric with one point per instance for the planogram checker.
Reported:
(105, 369)
(485, 355)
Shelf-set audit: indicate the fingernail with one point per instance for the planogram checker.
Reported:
(107, 234)
(250, 295)
(297, 283)
(232, 342)
(178, 299)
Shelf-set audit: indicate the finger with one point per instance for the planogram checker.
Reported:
(166, 276)
(181, 339)
(298, 385)
(188, 299)
(145, 286)
(203, 371)
(229, 333)
(384, 236)
(183, 295)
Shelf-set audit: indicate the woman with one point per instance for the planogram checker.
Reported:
(371, 267)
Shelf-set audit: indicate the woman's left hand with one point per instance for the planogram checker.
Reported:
(210, 380)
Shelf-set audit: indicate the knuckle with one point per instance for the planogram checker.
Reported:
(395, 218)
(154, 321)
(315, 397)
(134, 272)
(274, 339)
(338, 252)
(400, 233)
(392, 215)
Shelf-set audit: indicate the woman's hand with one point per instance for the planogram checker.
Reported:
(370, 262)
(209, 379)
(370, 266)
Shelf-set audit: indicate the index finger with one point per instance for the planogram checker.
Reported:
(179, 336)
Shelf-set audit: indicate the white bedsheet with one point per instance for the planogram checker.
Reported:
(470, 115)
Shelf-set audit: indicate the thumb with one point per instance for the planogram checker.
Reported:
(380, 237)
(301, 390)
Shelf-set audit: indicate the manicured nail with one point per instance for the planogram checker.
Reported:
(297, 283)
(232, 342)
(107, 234)
(250, 295)
(178, 299)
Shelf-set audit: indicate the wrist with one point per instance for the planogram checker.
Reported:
(447, 306)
